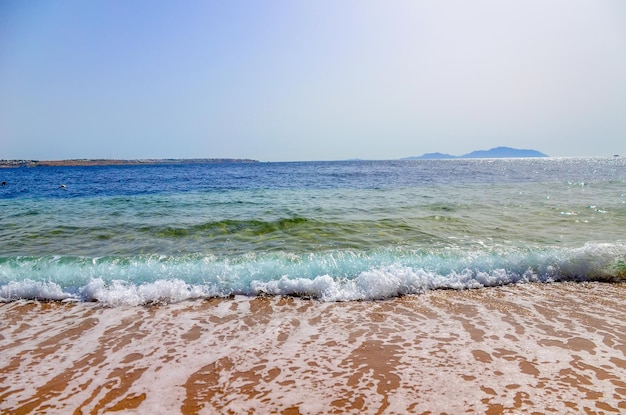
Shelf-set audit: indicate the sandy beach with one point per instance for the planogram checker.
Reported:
(543, 348)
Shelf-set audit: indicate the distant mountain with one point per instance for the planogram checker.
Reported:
(494, 153)
(435, 156)
(503, 152)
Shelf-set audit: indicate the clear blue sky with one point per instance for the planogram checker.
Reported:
(310, 79)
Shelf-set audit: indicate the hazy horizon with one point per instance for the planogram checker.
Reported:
(410, 157)
(310, 80)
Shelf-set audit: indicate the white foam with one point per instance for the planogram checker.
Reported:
(35, 290)
(160, 291)
(593, 261)
(386, 282)
(230, 356)
(257, 276)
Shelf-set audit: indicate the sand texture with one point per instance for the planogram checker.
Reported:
(544, 348)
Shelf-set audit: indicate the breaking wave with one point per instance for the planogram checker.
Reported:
(327, 276)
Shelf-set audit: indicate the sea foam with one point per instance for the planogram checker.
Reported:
(330, 276)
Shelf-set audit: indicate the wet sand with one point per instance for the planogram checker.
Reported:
(544, 348)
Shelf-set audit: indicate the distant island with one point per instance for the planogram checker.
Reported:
(494, 153)
(116, 162)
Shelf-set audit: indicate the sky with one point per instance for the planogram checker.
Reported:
(282, 80)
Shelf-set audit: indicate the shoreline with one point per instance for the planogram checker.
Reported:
(545, 347)
(116, 162)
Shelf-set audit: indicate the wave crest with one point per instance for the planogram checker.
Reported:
(331, 276)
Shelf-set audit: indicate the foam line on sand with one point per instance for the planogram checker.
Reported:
(534, 347)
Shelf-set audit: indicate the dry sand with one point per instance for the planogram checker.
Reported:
(541, 348)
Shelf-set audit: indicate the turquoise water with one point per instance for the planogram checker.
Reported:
(328, 230)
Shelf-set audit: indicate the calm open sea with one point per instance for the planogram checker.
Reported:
(335, 231)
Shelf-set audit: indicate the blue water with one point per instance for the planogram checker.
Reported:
(329, 230)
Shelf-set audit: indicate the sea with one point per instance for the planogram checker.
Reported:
(331, 231)
(347, 287)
